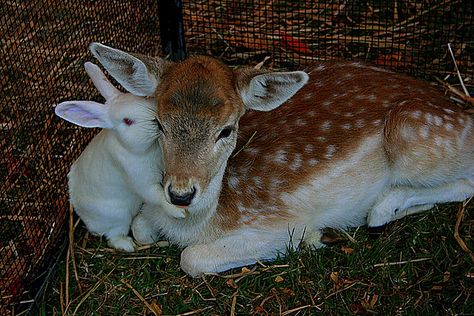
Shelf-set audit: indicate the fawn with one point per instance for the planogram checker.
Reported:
(342, 145)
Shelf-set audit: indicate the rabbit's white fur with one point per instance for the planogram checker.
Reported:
(120, 169)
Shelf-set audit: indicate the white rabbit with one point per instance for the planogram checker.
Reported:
(118, 171)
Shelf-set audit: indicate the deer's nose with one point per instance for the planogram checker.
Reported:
(181, 199)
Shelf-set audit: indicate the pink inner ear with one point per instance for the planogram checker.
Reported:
(128, 121)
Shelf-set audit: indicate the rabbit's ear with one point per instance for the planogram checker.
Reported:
(106, 89)
(84, 113)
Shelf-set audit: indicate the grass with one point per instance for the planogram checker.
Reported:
(415, 267)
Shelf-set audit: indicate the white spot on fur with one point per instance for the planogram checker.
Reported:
(312, 113)
(280, 156)
(377, 122)
(313, 162)
(233, 182)
(461, 121)
(330, 151)
(308, 96)
(449, 111)
(297, 163)
(360, 123)
(416, 114)
(348, 114)
(309, 148)
(438, 120)
(327, 103)
(429, 118)
(326, 125)
(407, 133)
(372, 97)
(379, 69)
(257, 181)
(386, 103)
(346, 126)
(448, 118)
(275, 184)
(321, 139)
(321, 67)
(449, 127)
(424, 132)
(300, 122)
(253, 151)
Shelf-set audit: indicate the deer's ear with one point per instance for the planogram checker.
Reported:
(138, 74)
(84, 113)
(267, 91)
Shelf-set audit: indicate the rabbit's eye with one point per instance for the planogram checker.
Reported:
(128, 121)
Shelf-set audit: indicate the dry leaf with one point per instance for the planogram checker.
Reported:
(294, 44)
(279, 279)
(347, 250)
(259, 310)
(436, 288)
(231, 283)
(245, 270)
(334, 277)
(288, 291)
(446, 276)
(156, 308)
(374, 299)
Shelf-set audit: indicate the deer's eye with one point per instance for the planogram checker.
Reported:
(128, 121)
(158, 124)
(226, 131)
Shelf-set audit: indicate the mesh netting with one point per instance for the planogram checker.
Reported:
(43, 47)
(411, 36)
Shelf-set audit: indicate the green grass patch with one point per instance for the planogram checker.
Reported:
(415, 267)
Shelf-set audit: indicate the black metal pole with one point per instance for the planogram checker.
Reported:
(172, 28)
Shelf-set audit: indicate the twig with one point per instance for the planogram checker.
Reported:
(197, 311)
(288, 312)
(458, 238)
(236, 275)
(246, 144)
(61, 297)
(66, 285)
(400, 262)
(143, 258)
(457, 70)
(234, 302)
(348, 236)
(141, 298)
(95, 287)
(159, 244)
(341, 290)
(71, 246)
(451, 88)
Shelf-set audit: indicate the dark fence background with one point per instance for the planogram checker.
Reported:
(45, 43)
(410, 36)
(43, 47)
